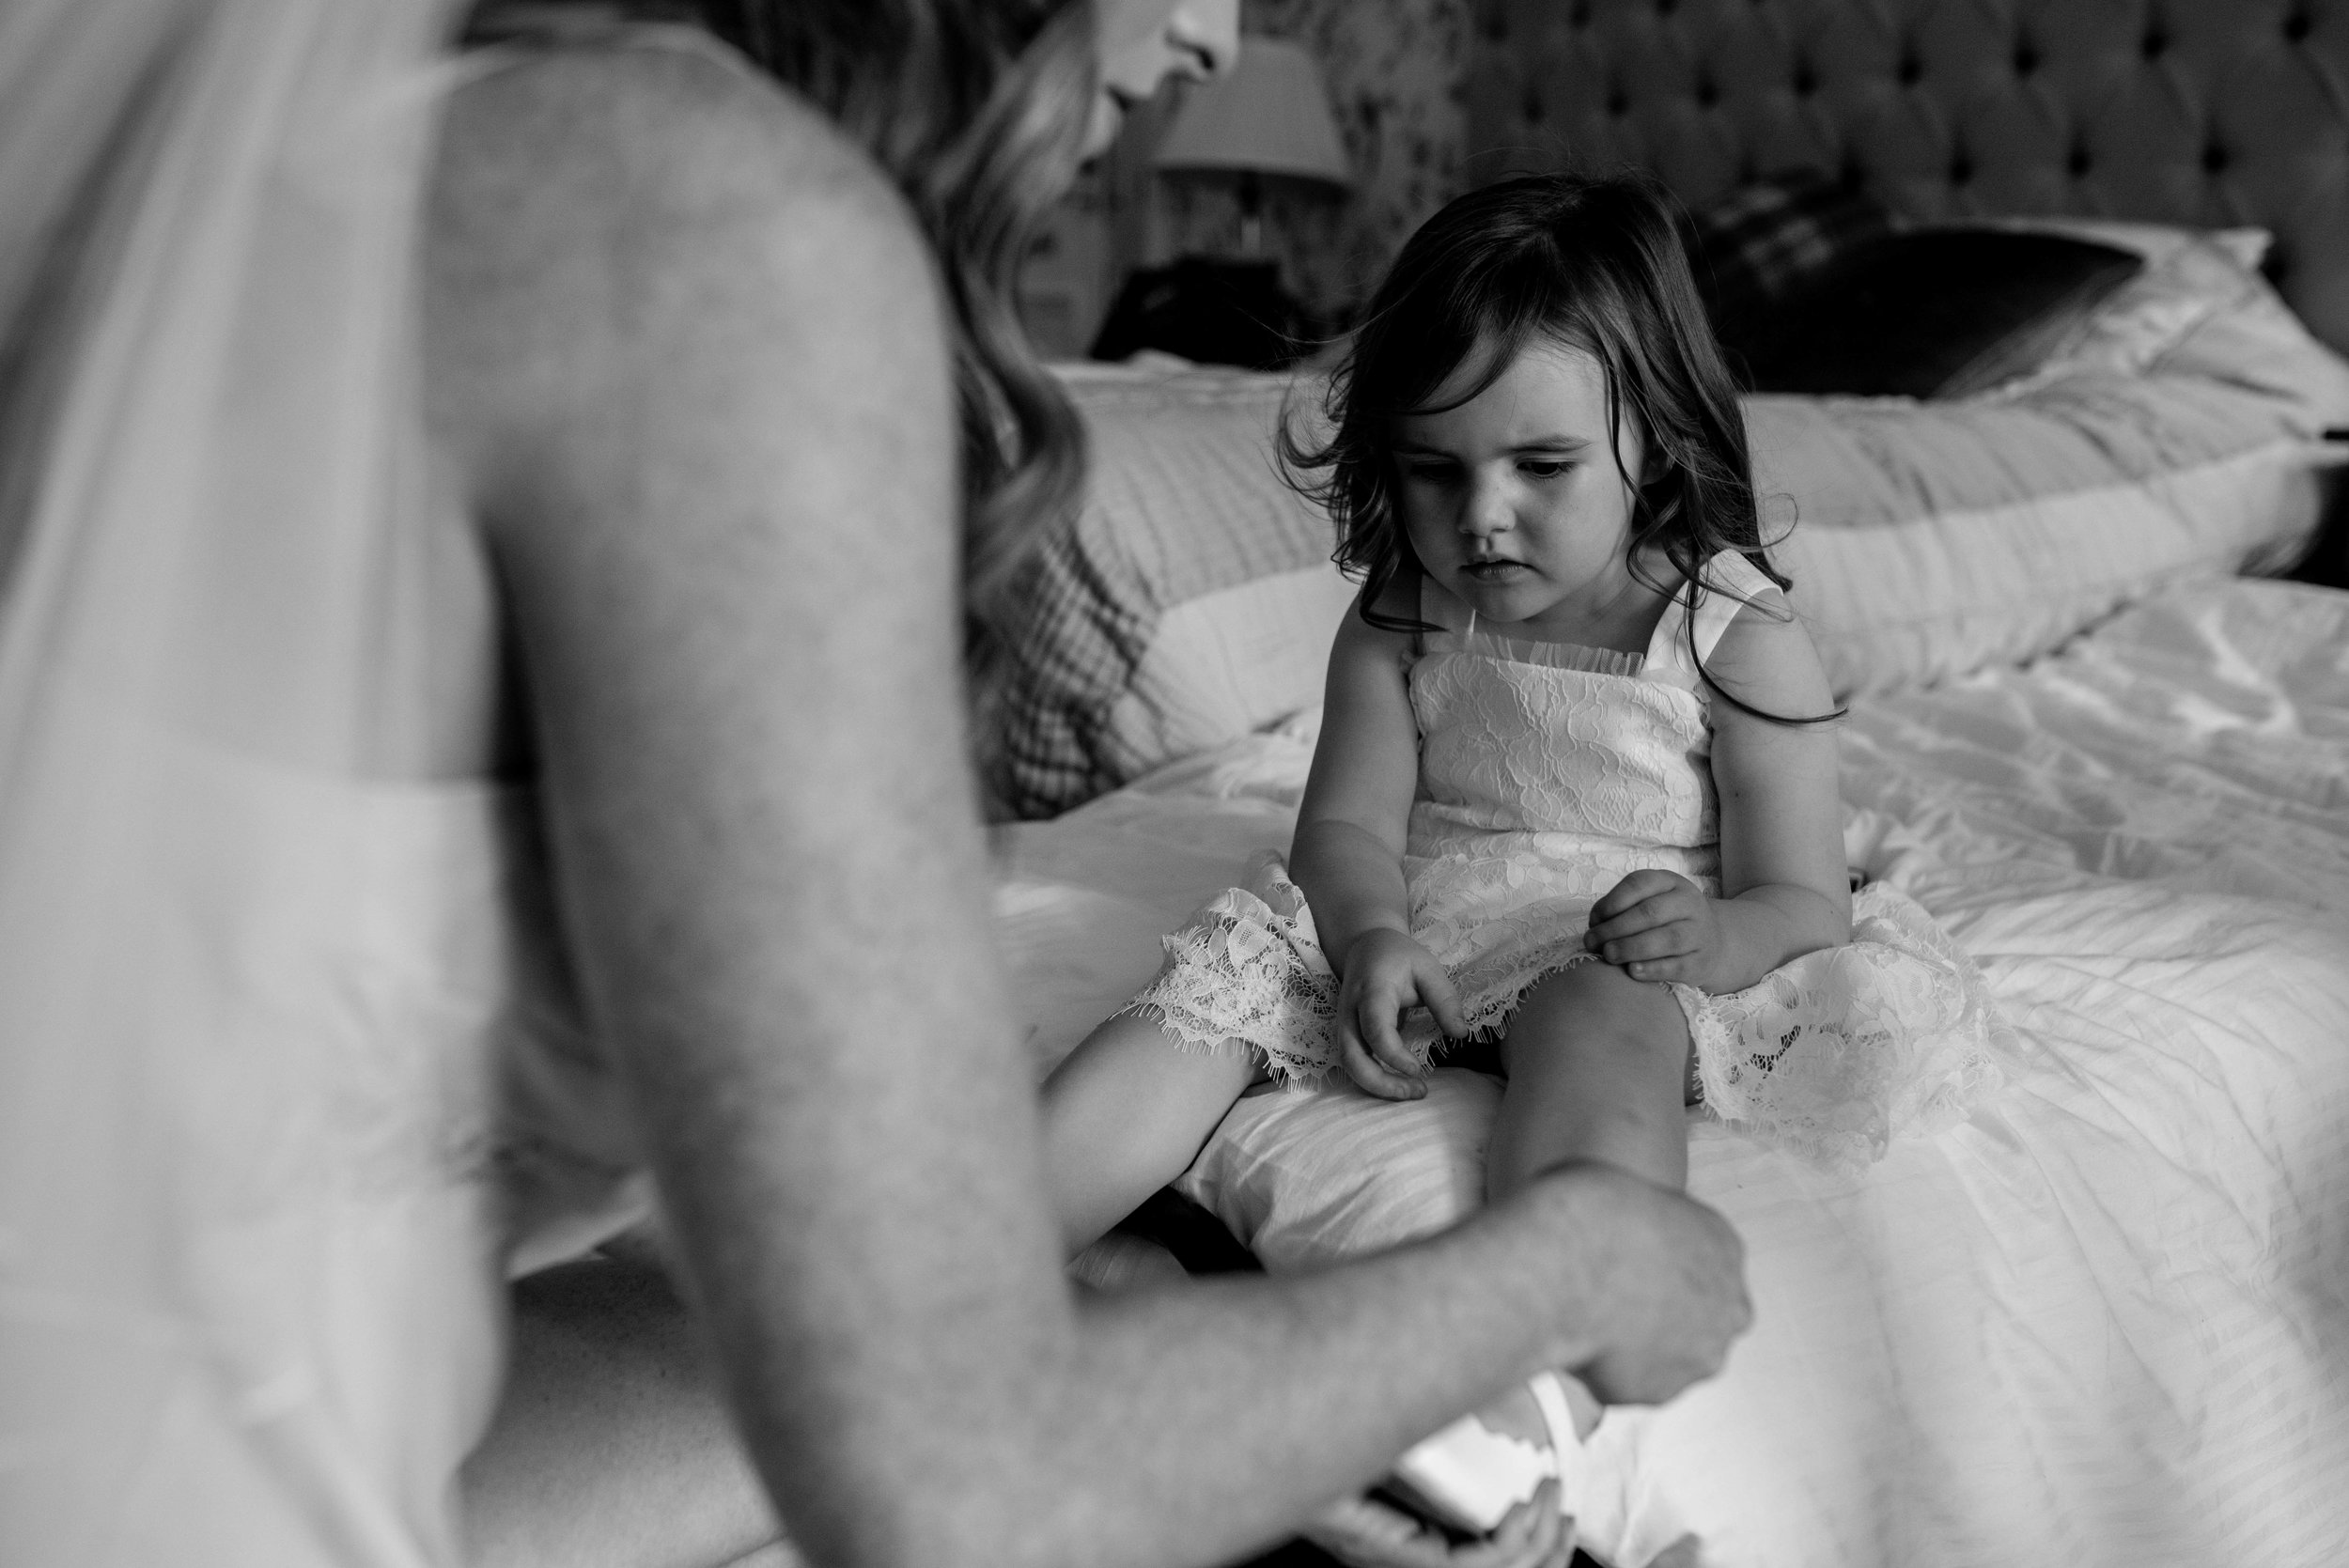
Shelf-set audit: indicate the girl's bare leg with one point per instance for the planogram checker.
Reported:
(1599, 1066)
(1126, 1114)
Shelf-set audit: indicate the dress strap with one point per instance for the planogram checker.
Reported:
(1725, 584)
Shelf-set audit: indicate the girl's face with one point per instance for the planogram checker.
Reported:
(1515, 500)
(1142, 42)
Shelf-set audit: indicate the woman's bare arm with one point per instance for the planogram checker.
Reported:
(686, 351)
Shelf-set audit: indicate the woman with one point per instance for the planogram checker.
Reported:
(450, 758)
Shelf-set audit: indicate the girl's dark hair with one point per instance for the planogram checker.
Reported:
(977, 109)
(1594, 262)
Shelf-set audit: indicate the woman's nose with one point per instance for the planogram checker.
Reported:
(1208, 30)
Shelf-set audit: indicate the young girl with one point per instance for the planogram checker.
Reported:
(1574, 795)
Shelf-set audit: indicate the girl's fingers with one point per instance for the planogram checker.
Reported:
(1631, 923)
(1440, 997)
(1374, 1076)
(1671, 940)
(1379, 1035)
(1634, 889)
(1633, 920)
(1661, 910)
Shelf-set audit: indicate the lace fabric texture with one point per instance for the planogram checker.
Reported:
(1542, 785)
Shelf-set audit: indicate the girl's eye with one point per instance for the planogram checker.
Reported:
(1543, 468)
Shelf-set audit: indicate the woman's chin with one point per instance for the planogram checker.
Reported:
(1108, 117)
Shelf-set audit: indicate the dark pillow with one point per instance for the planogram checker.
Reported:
(1933, 312)
(1760, 239)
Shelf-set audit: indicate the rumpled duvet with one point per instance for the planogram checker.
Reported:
(2105, 1321)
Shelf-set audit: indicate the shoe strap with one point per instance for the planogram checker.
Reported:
(1549, 1397)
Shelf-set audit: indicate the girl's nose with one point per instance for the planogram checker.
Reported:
(1485, 511)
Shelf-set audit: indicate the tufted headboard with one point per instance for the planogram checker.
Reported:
(2210, 112)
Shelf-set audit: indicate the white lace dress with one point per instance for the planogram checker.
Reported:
(1547, 773)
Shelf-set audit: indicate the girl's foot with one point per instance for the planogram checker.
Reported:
(1473, 1472)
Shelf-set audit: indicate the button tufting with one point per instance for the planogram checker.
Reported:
(2026, 59)
(2297, 26)
(1579, 17)
(1531, 113)
(1617, 105)
(1911, 69)
(2214, 158)
(1961, 169)
(2155, 42)
(1666, 7)
(2078, 163)
(1707, 94)
(1805, 83)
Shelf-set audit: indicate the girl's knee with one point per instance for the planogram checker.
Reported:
(1595, 1003)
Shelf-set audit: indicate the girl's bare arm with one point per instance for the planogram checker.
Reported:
(1783, 878)
(1347, 853)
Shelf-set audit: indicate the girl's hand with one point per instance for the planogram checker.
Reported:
(1386, 975)
(1657, 925)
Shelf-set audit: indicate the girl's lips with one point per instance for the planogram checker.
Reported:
(1489, 570)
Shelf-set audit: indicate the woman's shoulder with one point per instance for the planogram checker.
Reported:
(634, 153)
(655, 100)
(584, 194)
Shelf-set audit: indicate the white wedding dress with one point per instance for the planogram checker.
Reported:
(290, 1075)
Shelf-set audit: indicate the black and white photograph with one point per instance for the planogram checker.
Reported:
(1174, 783)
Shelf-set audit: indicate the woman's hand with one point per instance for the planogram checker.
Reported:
(1659, 925)
(1386, 975)
(1363, 1533)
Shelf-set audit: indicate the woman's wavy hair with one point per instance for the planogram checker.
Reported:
(1594, 262)
(978, 110)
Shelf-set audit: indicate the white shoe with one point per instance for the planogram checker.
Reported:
(1119, 1263)
(1468, 1476)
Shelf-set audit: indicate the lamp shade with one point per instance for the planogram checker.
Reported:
(1269, 115)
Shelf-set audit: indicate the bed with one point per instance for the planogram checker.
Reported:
(2105, 1320)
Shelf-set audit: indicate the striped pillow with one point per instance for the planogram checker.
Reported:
(1193, 601)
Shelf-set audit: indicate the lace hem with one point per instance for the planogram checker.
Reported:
(1248, 970)
(1830, 1056)
(1835, 1054)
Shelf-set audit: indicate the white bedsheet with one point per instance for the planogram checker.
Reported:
(2103, 1322)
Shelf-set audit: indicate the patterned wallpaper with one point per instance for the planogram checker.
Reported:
(1395, 70)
